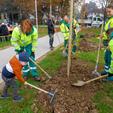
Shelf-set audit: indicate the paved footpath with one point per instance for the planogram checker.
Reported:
(42, 49)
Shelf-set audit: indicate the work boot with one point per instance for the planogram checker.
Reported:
(51, 47)
(37, 78)
(4, 96)
(17, 98)
(104, 73)
(108, 79)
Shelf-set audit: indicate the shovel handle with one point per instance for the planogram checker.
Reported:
(97, 78)
(38, 88)
(99, 47)
(41, 68)
(44, 72)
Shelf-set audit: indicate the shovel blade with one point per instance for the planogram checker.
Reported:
(79, 83)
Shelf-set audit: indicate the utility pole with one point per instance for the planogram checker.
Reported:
(36, 12)
(70, 38)
(50, 8)
(84, 7)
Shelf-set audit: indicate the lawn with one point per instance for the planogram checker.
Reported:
(4, 44)
(42, 31)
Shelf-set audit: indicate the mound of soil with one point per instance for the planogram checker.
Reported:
(86, 45)
(69, 99)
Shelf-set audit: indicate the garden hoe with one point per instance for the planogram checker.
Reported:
(95, 72)
(40, 68)
(82, 83)
(52, 95)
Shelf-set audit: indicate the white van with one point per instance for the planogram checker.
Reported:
(91, 21)
(96, 21)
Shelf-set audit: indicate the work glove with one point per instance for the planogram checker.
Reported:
(19, 51)
(105, 43)
(110, 74)
(100, 36)
(74, 27)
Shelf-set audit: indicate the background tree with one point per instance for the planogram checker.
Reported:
(17, 8)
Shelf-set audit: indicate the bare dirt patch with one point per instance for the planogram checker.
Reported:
(69, 99)
(86, 45)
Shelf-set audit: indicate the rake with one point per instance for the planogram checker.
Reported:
(42, 90)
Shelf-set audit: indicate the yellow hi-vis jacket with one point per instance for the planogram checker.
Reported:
(20, 39)
(111, 49)
(108, 25)
(65, 30)
(75, 25)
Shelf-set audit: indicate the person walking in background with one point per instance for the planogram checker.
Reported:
(51, 31)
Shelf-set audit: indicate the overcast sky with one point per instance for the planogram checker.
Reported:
(96, 1)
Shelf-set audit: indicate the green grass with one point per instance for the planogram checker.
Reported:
(104, 99)
(51, 64)
(94, 40)
(55, 59)
(91, 56)
(95, 31)
(8, 106)
(4, 44)
(42, 32)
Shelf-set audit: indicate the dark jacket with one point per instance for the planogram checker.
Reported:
(3, 30)
(50, 26)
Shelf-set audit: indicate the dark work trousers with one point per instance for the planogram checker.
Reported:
(51, 39)
(10, 82)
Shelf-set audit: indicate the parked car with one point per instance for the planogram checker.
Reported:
(93, 21)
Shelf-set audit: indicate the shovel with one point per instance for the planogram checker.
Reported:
(49, 93)
(40, 68)
(95, 72)
(82, 83)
